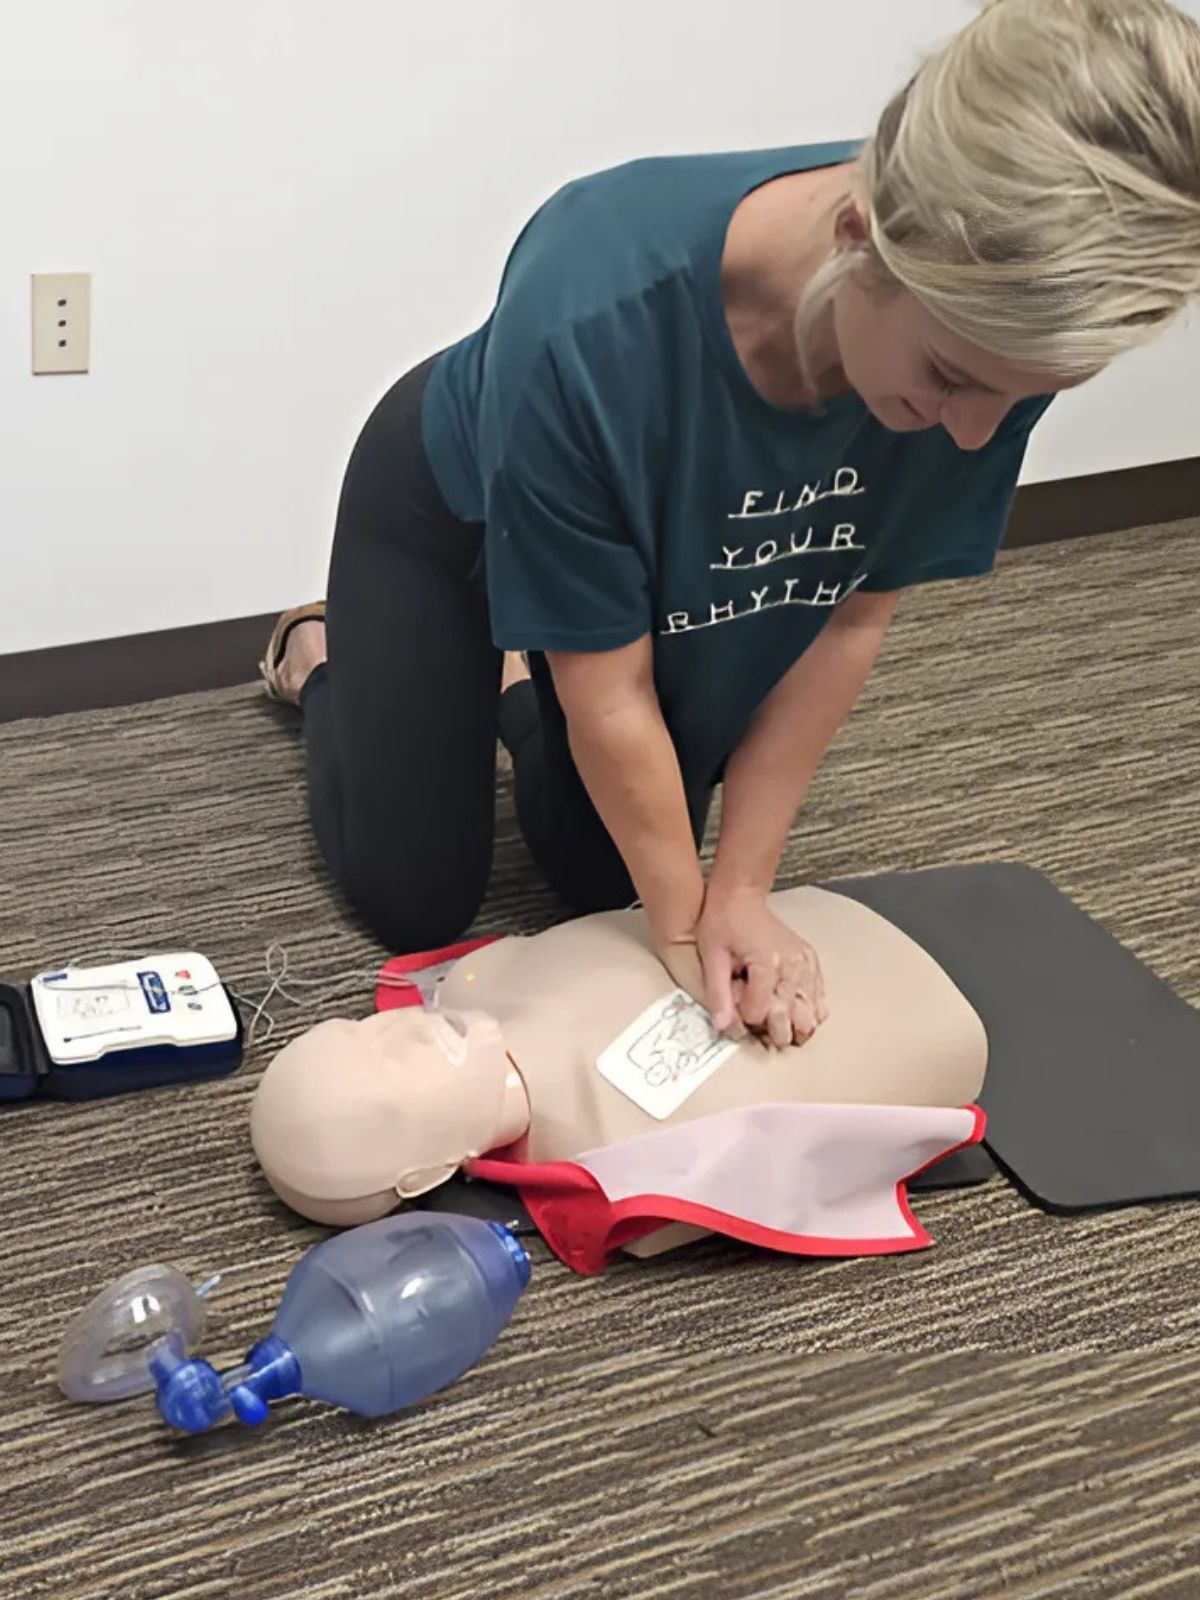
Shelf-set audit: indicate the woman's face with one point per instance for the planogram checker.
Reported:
(913, 373)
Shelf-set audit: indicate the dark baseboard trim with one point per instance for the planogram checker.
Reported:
(1105, 502)
(121, 672)
(217, 655)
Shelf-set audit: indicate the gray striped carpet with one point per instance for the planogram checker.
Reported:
(1016, 1412)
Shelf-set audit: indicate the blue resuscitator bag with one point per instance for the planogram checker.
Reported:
(373, 1320)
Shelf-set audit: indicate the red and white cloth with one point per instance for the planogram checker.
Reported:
(815, 1180)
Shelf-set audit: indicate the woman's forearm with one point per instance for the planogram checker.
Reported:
(626, 758)
(628, 764)
(768, 775)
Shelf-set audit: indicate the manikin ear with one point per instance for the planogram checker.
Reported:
(410, 1184)
(851, 226)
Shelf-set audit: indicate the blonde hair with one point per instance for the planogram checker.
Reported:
(1036, 186)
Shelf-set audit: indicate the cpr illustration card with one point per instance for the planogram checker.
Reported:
(665, 1054)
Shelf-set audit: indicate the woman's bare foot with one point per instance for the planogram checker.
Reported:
(516, 670)
(305, 650)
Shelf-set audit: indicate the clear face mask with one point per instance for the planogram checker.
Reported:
(107, 1351)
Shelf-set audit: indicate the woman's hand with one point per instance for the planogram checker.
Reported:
(757, 971)
(682, 960)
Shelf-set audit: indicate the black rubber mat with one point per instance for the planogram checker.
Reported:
(961, 1170)
(1093, 1085)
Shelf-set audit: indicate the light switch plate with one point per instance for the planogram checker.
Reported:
(62, 321)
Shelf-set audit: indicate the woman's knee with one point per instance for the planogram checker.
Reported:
(407, 906)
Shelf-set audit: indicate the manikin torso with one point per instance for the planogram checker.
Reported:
(354, 1117)
(898, 1033)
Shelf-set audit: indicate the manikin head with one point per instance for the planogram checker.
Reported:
(352, 1118)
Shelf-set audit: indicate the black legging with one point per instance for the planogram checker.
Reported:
(401, 724)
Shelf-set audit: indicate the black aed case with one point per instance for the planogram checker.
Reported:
(27, 1070)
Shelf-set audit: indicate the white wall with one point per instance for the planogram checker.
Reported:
(284, 203)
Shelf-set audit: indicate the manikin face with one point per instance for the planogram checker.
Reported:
(352, 1117)
(911, 372)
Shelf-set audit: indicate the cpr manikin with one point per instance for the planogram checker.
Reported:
(568, 1065)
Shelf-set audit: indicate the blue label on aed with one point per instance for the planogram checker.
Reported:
(157, 997)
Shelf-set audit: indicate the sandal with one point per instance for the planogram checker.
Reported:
(271, 662)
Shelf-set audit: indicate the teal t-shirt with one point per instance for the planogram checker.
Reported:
(632, 480)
